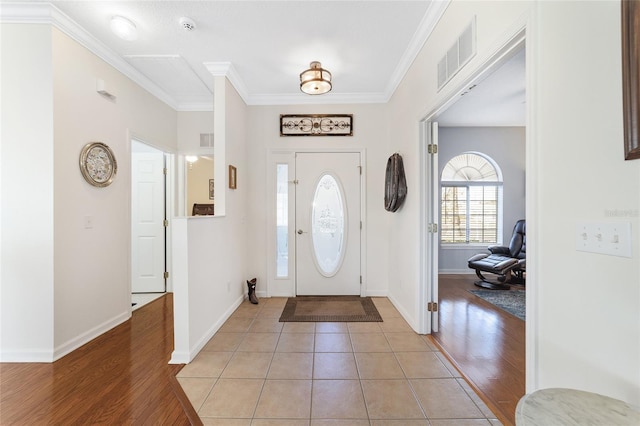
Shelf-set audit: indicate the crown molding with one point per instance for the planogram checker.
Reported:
(429, 21)
(46, 13)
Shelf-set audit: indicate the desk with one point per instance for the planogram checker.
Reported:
(566, 407)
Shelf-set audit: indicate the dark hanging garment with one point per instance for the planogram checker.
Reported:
(395, 185)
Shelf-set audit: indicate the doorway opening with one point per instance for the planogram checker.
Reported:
(149, 222)
(459, 126)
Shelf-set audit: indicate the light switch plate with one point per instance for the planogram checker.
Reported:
(612, 238)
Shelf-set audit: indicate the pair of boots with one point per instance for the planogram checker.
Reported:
(252, 291)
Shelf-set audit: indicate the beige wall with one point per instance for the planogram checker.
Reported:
(27, 194)
(584, 309)
(92, 278)
(369, 134)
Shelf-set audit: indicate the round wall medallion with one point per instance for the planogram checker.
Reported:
(98, 164)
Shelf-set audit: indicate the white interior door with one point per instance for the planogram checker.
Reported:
(433, 219)
(147, 219)
(327, 224)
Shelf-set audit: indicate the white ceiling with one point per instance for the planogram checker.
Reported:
(498, 99)
(261, 46)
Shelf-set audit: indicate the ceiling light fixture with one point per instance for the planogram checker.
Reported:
(316, 80)
(124, 28)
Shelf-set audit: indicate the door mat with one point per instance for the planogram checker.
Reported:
(512, 301)
(330, 309)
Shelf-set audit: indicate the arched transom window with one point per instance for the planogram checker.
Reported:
(471, 200)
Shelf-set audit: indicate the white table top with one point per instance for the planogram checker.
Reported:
(565, 407)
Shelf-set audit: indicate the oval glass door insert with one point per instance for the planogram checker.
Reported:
(328, 225)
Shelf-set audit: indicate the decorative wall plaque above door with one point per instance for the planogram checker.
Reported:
(316, 125)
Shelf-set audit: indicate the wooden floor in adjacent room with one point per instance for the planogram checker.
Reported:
(122, 377)
(486, 344)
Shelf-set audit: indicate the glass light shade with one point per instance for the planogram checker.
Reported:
(315, 80)
(124, 28)
(191, 158)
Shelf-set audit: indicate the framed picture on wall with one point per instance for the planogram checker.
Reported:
(630, 78)
(233, 177)
(211, 190)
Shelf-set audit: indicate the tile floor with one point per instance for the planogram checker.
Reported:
(258, 371)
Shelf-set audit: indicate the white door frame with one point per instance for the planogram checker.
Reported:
(427, 293)
(170, 197)
(286, 287)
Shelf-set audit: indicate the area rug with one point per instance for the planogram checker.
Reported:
(330, 309)
(512, 301)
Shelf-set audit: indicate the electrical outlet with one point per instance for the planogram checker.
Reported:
(88, 222)
(612, 238)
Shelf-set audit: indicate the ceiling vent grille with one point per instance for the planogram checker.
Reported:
(462, 50)
(206, 140)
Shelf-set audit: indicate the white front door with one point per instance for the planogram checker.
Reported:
(327, 224)
(147, 219)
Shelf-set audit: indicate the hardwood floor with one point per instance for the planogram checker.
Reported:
(122, 377)
(484, 342)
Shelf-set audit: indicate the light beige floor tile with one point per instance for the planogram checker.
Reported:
(248, 365)
(206, 364)
(390, 399)
(378, 365)
(476, 399)
(274, 302)
(196, 389)
(332, 342)
(460, 422)
(246, 311)
(331, 327)
(232, 398)
(295, 342)
(208, 421)
(406, 342)
(280, 422)
(495, 422)
(444, 399)
(403, 422)
(236, 325)
(266, 325)
(269, 312)
(334, 366)
(291, 365)
(259, 342)
(381, 301)
(224, 342)
(286, 399)
(429, 342)
(388, 312)
(395, 325)
(454, 372)
(299, 327)
(370, 342)
(338, 422)
(422, 365)
(364, 327)
(338, 399)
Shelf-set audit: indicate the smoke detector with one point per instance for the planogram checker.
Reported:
(187, 23)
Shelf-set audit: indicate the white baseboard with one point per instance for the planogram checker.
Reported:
(377, 293)
(88, 336)
(42, 355)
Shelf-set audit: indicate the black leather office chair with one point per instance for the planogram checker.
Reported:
(508, 263)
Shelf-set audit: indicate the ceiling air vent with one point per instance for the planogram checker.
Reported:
(206, 140)
(462, 50)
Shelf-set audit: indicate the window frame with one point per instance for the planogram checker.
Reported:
(498, 184)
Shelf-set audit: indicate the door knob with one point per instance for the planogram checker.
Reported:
(300, 231)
